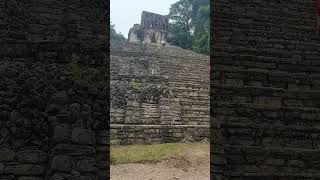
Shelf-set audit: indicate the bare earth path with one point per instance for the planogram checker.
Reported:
(192, 164)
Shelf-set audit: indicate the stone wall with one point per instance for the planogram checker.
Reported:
(265, 90)
(155, 36)
(54, 89)
(154, 21)
(158, 94)
(153, 29)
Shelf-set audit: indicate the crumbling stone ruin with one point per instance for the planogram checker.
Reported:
(265, 90)
(54, 90)
(152, 29)
(158, 95)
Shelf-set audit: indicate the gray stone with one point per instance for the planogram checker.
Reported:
(1, 168)
(83, 136)
(30, 178)
(86, 165)
(61, 163)
(59, 176)
(60, 98)
(7, 155)
(79, 177)
(24, 169)
(31, 156)
(73, 150)
(62, 133)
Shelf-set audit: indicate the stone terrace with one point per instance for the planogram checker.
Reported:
(179, 80)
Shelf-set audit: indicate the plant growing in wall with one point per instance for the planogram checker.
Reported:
(136, 86)
(78, 75)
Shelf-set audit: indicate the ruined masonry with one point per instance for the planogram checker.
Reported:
(152, 29)
(265, 79)
(54, 90)
(158, 94)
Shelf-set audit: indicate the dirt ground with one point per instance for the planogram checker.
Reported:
(192, 164)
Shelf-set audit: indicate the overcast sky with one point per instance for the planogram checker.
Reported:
(125, 13)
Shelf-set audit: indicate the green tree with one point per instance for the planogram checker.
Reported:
(116, 37)
(189, 23)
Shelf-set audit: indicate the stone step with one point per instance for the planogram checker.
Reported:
(199, 102)
(303, 29)
(247, 113)
(149, 105)
(276, 97)
(205, 82)
(151, 50)
(257, 72)
(265, 157)
(191, 91)
(244, 134)
(288, 63)
(187, 84)
(194, 109)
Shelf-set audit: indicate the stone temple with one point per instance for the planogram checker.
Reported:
(158, 95)
(152, 29)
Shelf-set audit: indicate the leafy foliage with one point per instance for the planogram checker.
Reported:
(190, 24)
(136, 86)
(116, 37)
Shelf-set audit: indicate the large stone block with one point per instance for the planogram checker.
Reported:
(24, 169)
(62, 163)
(31, 156)
(83, 136)
(268, 101)
(62, 133)
(85, 164)
(29, 178)
(78, 177)
(1, 168)
(73, 150)
(7, 155)
(103, 174)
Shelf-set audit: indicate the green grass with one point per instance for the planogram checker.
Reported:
(149, 153)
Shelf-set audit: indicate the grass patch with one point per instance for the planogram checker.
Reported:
(149, 153)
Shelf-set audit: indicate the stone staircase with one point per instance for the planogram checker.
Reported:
(185, 112)
(150, 113)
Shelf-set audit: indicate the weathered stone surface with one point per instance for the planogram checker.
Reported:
(59, 176)
(265, 127)
(150, 94)
(1, 168)
(86, 165)
(32, 156)
(29, 178)
(76, 177)
(53, 61)
(102, 175)
(24, 169)
(62, 133)
(62, 163)
(152, 29)
(73, 150)
(6, 177)
(83, 136)
(7, 155)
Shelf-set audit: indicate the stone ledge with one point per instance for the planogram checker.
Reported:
(149, 134)
(301, 175)
(157, 126)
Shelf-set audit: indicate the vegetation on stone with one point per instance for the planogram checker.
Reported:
(153, 91)
(136, 86)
